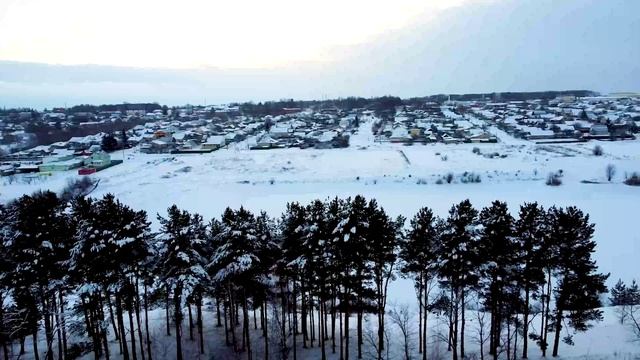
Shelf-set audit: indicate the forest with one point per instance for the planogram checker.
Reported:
(80, 276)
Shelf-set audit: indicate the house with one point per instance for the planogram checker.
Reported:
(599, 130)
(98, 160)
(214, 142)
(163, 145)
(266, 142)
(483, 138)
(400, 134)
(60, 165)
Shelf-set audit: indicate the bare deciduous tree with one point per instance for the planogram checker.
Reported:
(401, 317)
(611, 172)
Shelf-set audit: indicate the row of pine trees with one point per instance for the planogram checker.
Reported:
(93, 269)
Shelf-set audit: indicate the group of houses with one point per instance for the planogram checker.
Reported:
(86, 162)
(562, 119)
(430, 123)
(300, 129)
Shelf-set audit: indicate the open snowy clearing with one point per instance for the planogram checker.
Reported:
(402, 179)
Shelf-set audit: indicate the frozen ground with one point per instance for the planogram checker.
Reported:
(402, 179)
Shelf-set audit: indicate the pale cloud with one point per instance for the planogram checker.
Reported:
(478, 46)
(198, 33)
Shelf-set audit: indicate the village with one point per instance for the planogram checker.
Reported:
(205, 129)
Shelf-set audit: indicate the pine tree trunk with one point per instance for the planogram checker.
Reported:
(515, 337)
(246, 324)
(233, 319)
(36, 355)
(132, 332)
(47, 324)
(424, 322)
(547, 314)
(359, 332)
(420, 309)
(454, 340)
(341, 337)
(116, 333)
(226, 323)
(63, 324)
(451, 324)
(178, 319)
(219, 323)
(525, 330)
(283, 341)
(5, 349)
(265, 331)
(167, 307)
(508, 352)
(556, 341)
(303, 309)
(244, 330)
(103, 329)
(54, 305)
(123, 338)
(323, 329)
(333, 324)
(138, 322)
(492, 324)
(295, 321)
(346, 326)
(146, 320)
(89, 326)
(262, 313)
(190, 321)
(255, 319)
(199, 321)
(462, 323)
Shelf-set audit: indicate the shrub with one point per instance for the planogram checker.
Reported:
(77, 187)
(421, 182)
(597, 150)
(439, 182)
(444, 158)
(611, 171)
(633, 179)
(554, 179)
(469, 177)
(476, 150)
(448, 178)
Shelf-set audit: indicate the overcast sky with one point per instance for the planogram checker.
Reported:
(61, 52)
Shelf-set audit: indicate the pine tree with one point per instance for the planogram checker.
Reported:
(383, 236)
(236, 266)
(6, 268)
(578, 285)
(37, 229)
(618, 294)
(182, 262)
(530, 232)
(499, 268)
(632, 295)
(316, 240)
(292, 268)
(419, 254)
(352, 258)
(459, 265)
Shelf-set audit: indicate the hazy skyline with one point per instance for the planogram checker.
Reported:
(196, 51)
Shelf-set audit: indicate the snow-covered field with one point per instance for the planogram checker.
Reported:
(402, 179)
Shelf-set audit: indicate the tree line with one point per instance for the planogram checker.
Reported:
(93, 269)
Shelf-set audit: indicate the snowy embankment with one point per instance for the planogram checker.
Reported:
(511, 170)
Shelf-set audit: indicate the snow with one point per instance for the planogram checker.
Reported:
(268, 179)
